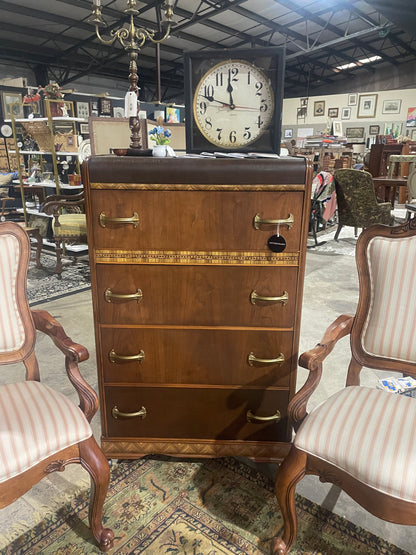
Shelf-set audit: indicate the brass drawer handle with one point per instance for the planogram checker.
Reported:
(114, 357)
(251, 417)
(255, 297)
(104, 220)
(253, 360)
(115, 413)
(259, 222)
(108, 295)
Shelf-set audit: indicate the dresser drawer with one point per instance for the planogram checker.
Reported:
(196, 295)
(193, 220)
(191, 356)
(196, 413)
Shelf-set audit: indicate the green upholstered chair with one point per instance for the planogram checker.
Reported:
(357, 202)
(69, 223)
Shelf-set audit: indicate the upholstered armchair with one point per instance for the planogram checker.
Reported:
(357, 202)
(68, 225)
(362, 439)
(41, 430)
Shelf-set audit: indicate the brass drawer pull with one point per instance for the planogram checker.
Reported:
(115, 413)
(104, 220)
(253, 360)
(108, 295)
(114, 357)
(259, 222)
(251, 417)
(255, 297)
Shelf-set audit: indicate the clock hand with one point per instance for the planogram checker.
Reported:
(212, 99)
(230, 91)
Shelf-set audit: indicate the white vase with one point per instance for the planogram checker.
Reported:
(159, 151)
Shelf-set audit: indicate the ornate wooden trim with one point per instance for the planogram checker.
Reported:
(247, 258)
(131, 448)
(195, 187)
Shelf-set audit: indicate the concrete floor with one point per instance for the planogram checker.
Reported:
(331, 288)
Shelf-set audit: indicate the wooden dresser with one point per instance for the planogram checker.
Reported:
(196, 319)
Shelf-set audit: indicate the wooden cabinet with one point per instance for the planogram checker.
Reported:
(196, 319)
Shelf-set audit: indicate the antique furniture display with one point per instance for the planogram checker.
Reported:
(233, 99)
(197, 272)
(357, 202)
(42, 430)
(362, 439)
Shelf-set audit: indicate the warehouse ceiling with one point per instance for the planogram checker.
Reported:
(327, 42)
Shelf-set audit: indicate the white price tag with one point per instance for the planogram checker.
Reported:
(130, 104)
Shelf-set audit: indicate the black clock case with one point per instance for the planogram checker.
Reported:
(271, 60)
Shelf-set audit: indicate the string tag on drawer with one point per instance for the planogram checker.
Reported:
(276, 243)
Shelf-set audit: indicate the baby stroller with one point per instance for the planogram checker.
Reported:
(323, 203)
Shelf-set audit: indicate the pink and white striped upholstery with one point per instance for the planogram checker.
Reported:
(390, 327)
(370, 434)
(36, 422)
(12, 335)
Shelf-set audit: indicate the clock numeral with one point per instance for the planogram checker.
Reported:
(248, 77)
(203, 107)
(234, 71)
(219, 79)
(247, 134)
(233, 136)
(260, 122)
(208, 123)
(219, 129)
(263, 106)
(209, 91)
(258, 86)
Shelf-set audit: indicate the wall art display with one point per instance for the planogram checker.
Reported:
(346, 113)
(413, 135)
(333, 112)
(337, 128)
(288, 133)
(301, 112)
(391, 106)
(94, 108)
(393, 129)
(173, 115)
(319, 108)
(411, 117)
(84, 129)
(118, 112)
(374, 130)
(367, 104)
(352, 99)
(303, 102)
(11, 101)
(83, 109)
(354, 132)
(105, 107)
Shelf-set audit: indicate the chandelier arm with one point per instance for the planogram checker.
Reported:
(109, 42)
(149, 35)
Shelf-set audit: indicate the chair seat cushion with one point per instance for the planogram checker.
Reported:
(36, 422)
(370, 434)
(72, 225)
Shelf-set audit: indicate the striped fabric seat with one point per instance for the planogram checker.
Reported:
(36, 422)
(72, 225)
(370, 434)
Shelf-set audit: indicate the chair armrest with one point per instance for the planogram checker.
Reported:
(54, 203)
(312, 361)
(74, 354)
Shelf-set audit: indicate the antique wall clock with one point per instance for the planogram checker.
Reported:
(233, 100)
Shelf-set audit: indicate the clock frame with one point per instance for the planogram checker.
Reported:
(270, 62)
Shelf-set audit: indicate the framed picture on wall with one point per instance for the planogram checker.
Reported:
(346, 113)
(319, 108)
(391, 106)
(413, 134)
(352, 99)
(288, 133)
(303, 102)
(374, 130)
(83, 109)
(411, 117)
(11, 101)
(354, 132)
(105, 107)
(333, 112)
(337, 128)
(367, 104)
(118, 112)
(84, 129)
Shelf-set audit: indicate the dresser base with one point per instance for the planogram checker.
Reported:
(133, 449)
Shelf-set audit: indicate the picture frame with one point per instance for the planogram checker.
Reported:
(301, 112)
(411, 117)
(84, 129)
(172, 115)
(333, 112)
(288, 133)
(413, 134)
(105, 106)
(319, 108)
(367, 104)
(393, 129)
(346, 113)
(303, 102)
(83, 109)
(374, 130)
(391, 106)
(354, 132)
(337, 128)
(118, 112)
(12, 101)
(352, 99)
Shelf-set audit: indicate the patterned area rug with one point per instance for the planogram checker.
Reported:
(162, 506)
(43, 284)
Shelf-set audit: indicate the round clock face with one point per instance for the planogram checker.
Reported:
(233, 104)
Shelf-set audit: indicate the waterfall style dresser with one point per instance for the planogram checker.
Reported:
(196, 318)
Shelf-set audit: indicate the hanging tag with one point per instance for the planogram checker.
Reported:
(276, 243)
(130, 104)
